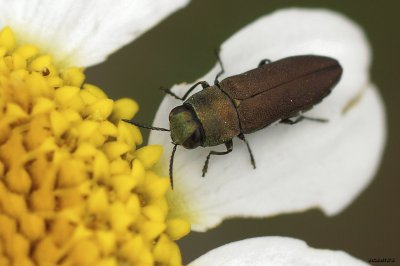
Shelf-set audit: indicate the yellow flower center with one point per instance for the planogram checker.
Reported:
(74, 190)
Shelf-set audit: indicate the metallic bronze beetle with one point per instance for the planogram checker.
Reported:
(250, 101)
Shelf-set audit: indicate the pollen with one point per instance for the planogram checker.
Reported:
(74, 188)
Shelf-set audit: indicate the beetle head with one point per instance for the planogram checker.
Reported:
(185, 127)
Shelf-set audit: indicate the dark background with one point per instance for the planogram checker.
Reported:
(181, 49)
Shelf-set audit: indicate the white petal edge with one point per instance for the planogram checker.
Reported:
(276, 251)
(299, 167)
(83, 33)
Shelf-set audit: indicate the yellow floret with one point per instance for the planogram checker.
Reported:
(27, 51)
(7, 40)
(177, 228)
(149, 155)
(73, 76)
(124, 109)
(74, 190)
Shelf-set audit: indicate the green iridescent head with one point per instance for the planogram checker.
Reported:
(185, 127)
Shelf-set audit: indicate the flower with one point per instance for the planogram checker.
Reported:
(74, 190)
(276, 251)
(299, 167)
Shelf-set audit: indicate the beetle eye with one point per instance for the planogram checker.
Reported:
(194, 140)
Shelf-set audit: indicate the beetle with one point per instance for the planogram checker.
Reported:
(245, 103)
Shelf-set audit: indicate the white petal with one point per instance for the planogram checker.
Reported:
(83, 33)
(299, 167)
(276, 251)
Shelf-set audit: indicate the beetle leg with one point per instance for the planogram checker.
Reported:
(253, 162)
(229, 147)
(320, 120)
(263, 62)
(288, 121)
(300, 118)
(222, 71)
(203, 84)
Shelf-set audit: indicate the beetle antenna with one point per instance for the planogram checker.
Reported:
(144, 126)
(171, 166)
(222, 71)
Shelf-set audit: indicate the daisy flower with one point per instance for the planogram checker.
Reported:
(76, 190)
(299, 167)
